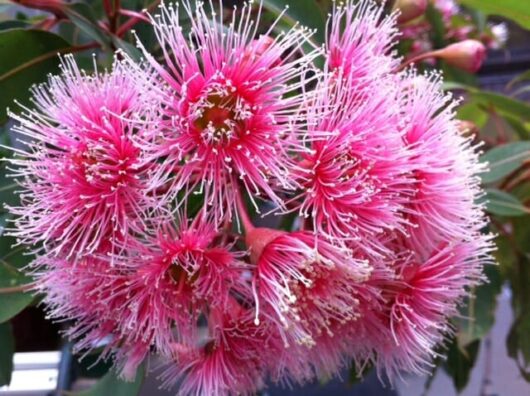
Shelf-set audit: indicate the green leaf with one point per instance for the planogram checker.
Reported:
(502, 103)
(12, 260)
(83, 17)
(7, 349)
(5, 25)
(473, 112)
(111, 385)
(11, 304)
(460, 362)
(437, 31)
(521, 129)
(504, 159)
(516, 10)
(128, 48)
(306, 12)
(27, 57)
(478, 313)
(503, 204)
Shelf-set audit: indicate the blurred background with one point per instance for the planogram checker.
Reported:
(490, 353)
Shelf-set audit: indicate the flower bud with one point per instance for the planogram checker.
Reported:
(467, 55)
(410, 9)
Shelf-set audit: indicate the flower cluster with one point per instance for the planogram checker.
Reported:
(136, 185)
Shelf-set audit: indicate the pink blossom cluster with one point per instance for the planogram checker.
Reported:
(137, 184)
(458, 26)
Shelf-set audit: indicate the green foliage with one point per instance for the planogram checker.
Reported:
(504, 159)
(516, 10)
(306, 12)
(27, 57)
(502, 203)
(82, 16)
(478, 312)
(460, 362)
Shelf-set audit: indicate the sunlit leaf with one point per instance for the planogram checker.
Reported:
(516, 10)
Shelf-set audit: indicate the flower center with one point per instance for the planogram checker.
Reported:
(220, 117)
(105, 166)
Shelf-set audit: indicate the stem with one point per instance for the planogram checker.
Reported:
(243, 213)
(114, 16)
(135, 19)
(17, 289)
(418, 58)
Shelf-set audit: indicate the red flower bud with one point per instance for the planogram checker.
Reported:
(467, 55)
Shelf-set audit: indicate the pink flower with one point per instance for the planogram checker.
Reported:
(357, 178)
(445, 165)
(360, 40)
(152, 296)
(228, 106)
(175, 277)
(302, 283)
(420, 302)
(231, 360)
(81, 176)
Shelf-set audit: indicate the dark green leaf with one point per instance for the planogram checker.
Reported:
(128, 48)
(27, 57)
(306, 12)
(478, 313)
(7, 349)
(437, 30)
(504, 159)
(83, 17)
(504, 204)
(460, 362)
(111, 385)
(13, 25)
(516, 10)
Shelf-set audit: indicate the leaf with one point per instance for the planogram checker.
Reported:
(306, 12)
(111, 385)
(502, 103)
(7, 350)
(478, 313)
(503, 160)
(82, 16)
(516, 10)
(12, 260)
(128, 48)
(460, 362)
(503, 204)
(474, 113)
(437, 31)
(4, 25)
(521, 129)
(27, 57)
